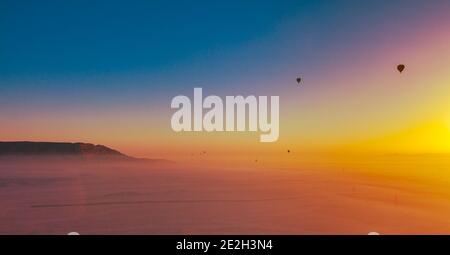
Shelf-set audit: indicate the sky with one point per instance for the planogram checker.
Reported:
(105, 73)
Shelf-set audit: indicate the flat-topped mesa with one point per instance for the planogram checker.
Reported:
(85, 150)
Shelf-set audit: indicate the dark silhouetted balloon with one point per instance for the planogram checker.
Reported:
(299, 80)
(400, 68)
(289, 151)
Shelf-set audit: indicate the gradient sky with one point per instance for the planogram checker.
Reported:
(105, 72)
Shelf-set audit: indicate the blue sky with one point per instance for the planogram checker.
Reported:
(89, 52)
(57, 38)
(90, 37)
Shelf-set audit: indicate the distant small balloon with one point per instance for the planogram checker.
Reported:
(400, 68)
(289, 151)
(299, 80)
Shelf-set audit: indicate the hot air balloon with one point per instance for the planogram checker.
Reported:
(288, 151)
(400, 68)
(299, 80)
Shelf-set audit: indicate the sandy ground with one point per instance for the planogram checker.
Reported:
(107, 198)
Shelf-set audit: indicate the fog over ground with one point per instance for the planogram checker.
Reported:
(101, 197)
